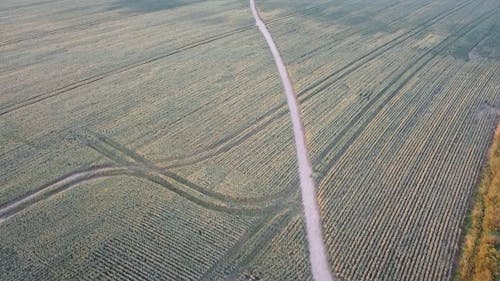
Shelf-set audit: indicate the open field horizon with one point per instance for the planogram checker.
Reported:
(151, 140)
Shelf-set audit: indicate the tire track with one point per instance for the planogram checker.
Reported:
(31, 5)
(75, 179)
(83, 26)
(405, 76)
(127, 157)
(19, 204)
(345, 34)
(317, 86)
(254, 240)
(73, 28)
(133, 164)
(83, 170)
(62, 90)
(5, 109)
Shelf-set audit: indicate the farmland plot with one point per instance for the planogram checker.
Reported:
(398, 136)
(149, 140)
(71, 133)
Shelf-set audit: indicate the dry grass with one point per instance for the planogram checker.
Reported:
(481, 257)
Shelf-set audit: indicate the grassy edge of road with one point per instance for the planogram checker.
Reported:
(480, 258)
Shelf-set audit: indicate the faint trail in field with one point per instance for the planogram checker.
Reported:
(20, 204)
(402, 79)
(62, 90)
(248, 246)
(7, 108)
(346, 34)
(127, 157)
(83, 26)
(134, 165)
(77, 178)
(319, 261)
(10, 9)
(73, 28)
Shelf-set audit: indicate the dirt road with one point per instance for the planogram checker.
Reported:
(317, 254)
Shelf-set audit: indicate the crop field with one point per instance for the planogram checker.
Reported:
(151, 140)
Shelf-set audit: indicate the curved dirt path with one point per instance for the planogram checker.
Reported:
(317, 255)
(193, 193)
